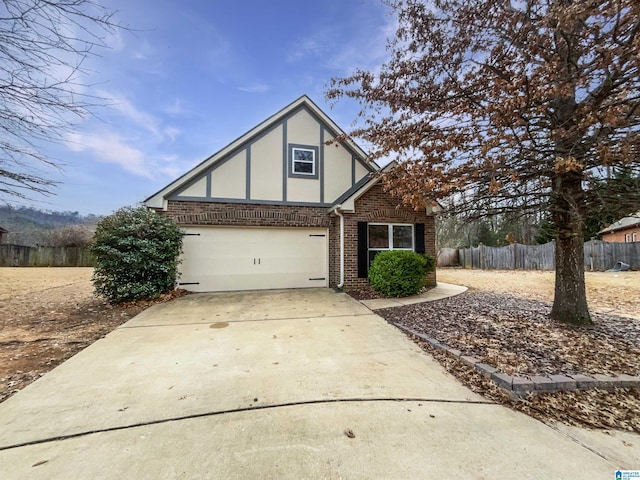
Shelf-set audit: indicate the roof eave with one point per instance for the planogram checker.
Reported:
(348, 204)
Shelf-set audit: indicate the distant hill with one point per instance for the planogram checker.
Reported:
(31, 226)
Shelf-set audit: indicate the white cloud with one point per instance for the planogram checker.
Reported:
(313, 45)
(171, 171)
(171, 133)
(170, 158)
(177, 108)
(125, 108)
(365, 51)
(115, 41)
(143, 52)
(361, 44)
(255, 88)
(109, 147)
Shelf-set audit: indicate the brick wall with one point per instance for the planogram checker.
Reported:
(621, 235)
(241, 214)
(374, 206)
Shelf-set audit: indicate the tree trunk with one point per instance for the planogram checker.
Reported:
(570, 299)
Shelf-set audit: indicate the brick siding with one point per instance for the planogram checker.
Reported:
(374, 206)
(242, 214)
(621, 235)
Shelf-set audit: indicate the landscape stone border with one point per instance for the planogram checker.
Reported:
(518, 386)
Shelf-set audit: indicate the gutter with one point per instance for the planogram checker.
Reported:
(337, 211)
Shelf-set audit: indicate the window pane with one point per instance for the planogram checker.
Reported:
(378, 236)
(372, 255)
(402, 236)
(306, 155)
(302, 167)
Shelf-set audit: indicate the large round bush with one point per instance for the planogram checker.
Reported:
(399, 273)
(136, 252)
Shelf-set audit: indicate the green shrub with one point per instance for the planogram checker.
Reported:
(399, 273)
(430, 263)
(136, 252)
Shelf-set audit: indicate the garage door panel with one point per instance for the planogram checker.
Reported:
(224, 259)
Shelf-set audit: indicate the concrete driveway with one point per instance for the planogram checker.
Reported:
(280, 384)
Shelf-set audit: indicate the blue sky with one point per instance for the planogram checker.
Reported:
(196, 75)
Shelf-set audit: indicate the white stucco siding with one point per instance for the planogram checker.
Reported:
(303, 190)
(337, 167)
(198, 189)
(266, 166)
(303, 129)
(361, 172)
(229, 180)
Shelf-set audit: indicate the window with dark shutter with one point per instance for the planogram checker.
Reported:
(363, 251)
(419, 241)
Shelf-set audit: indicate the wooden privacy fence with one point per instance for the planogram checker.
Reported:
(598, 256)
(23, 256)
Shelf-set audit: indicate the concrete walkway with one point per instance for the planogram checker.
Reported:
(282, 384)
(441, 290)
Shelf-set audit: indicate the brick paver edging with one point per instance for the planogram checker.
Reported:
(534, 383)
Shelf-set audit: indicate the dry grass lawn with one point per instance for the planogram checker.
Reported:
(46, 316)
(617, 293)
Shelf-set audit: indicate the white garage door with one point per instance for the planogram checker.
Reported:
(228, 258)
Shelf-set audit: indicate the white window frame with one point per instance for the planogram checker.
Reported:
(312, 162)
(634, 237)
(627, 237)
(390, 238)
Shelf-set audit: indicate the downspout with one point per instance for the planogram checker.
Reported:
(336, 210)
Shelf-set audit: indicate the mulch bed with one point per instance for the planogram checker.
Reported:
(610, 409)
(516, 336)
(364, 293)
(368, 293)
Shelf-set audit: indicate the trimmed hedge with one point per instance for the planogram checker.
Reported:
(399, 273)
(136, 252)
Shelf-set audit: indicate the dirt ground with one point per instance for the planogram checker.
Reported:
(617, 293)
(48, 315)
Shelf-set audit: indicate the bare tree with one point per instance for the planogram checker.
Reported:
(69, 236)
(508, 106)
(43, 45)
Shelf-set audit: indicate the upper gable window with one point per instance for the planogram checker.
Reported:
(303, 161)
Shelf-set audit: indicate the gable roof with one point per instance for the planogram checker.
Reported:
(622, 224)
(158, 199)
(347, 203)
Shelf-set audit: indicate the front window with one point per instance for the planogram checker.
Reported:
(303, 161)
(389, 237)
